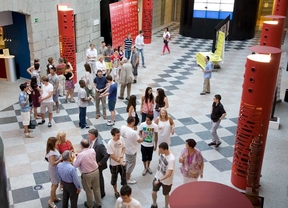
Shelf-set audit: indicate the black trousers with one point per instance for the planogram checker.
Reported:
(69, 191)
(102, 187)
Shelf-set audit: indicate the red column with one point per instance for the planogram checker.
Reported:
(254, 114)
(272, 31)
(280, 7)
(67, 36)
(147, 17)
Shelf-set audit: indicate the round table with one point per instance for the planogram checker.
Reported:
(205, 194)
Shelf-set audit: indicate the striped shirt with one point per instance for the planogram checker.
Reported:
(128, 44)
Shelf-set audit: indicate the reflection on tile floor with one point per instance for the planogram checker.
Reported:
(182, 80)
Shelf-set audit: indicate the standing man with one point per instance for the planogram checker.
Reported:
(101, 156)
(217, 114)
(125, 78)
(107, 54)
(207, 76)
(139, 42)
(112, 96)
(116, 150)
(164, 174)
(60, 71)
(132, 141)
(135, 63)
(100, 85)
(86, 162)
(54, 80)
(102, 48)
(67, 174)
(149, 133)
(126, 199)
(82, 103)
(46, 100)
(25, 109)
(91, 56)
(127, 46)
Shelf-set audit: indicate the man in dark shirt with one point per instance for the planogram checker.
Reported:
(217, 114)
(100, 84)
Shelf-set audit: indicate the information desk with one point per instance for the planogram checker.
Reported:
(205, 194)
(7, 68)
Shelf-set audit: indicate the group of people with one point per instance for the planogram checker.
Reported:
(152, 132)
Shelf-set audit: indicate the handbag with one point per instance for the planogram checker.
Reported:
(136, 119)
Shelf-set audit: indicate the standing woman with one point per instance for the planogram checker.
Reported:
(192, 163)
(147, 102)
(161, 101)
(166, 127)
(121, 52)
(100, 65)
(35, 95)
(69, 84)
(166, 39)
(131, 110)
(88, 78)
(54, 158)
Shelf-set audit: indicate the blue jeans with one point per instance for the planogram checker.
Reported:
(142, 56)
(127, 54)
(82, 117)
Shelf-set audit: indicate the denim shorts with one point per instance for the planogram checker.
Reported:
(111, 105)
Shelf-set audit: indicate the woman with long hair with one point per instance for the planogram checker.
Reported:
(121, 52)
(88, 78)
(53, 156)
(166, 39)
(147, 102)
(192, 163)
(69, 84)
(131, 110)
(161, 101)
(165, 126)
(35, 95)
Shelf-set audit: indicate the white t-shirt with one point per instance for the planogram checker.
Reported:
(45, 91)
(116, 149)
(82, 94)
(133, 204)
(130, 137)
(164, 132)
(91, 53)
(148, 133)
(165, 163)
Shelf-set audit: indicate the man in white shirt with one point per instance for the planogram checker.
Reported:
(164, 174)
(91, 56)
(132, 141)
(46, 100)
(126, 199)
(139, 42)
(116, 150)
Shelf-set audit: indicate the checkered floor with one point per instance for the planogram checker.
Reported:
(178, 74)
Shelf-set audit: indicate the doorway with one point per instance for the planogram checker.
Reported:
(163, 4)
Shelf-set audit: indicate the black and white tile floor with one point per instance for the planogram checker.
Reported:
(178, 74)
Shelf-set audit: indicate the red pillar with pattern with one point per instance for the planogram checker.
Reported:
(255, 108)
(147, 16)
(280, 7)
(67, 36)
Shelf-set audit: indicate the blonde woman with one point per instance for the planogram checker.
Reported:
(165, 126)
(100, 65)
(63, 143)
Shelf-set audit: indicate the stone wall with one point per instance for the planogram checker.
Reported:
(43, 36)
(156, 22)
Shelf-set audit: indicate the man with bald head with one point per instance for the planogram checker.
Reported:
(86, 162)
(66, 172)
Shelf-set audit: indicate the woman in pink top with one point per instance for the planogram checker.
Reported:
(147, 102)
(192, 163)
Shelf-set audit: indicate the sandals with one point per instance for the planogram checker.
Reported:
(117, 195)
(51, 204)
(57, 199)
